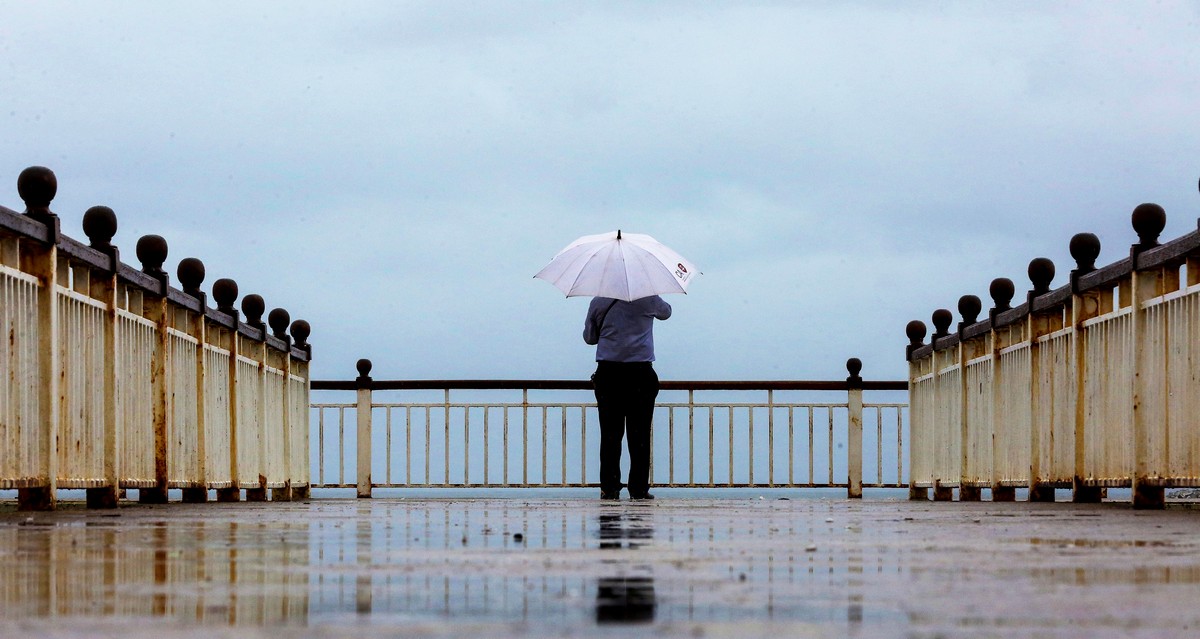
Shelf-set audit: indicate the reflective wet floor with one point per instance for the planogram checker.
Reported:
(581, 567)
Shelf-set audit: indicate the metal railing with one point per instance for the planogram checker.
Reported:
(1089, 386)
(706, 434)
(112, 379)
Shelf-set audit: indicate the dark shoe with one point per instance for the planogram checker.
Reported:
(642, 496)
(610, 495)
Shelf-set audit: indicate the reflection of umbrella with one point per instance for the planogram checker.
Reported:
(625, 267)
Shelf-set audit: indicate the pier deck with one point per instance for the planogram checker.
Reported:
(575, 566)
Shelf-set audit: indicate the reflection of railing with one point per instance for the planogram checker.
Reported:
(1091, 385)
(712, 437)
(110, 378)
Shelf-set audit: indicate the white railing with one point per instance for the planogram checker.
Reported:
(1090, 386)
(112, 379)
(458, 434)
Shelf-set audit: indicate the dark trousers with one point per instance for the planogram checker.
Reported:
(625, 393)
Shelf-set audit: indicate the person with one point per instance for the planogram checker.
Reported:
(626, 386)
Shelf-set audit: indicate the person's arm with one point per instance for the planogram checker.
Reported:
(591, 331)
(660, 308)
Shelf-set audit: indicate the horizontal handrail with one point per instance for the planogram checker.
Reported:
(567, 384)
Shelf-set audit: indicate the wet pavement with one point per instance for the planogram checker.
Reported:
(580, 567)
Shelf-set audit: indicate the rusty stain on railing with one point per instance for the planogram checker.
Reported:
(111, 379)
(1088, 386)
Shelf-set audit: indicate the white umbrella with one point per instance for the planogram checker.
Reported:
(624, 267)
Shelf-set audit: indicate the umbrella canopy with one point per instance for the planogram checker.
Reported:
(624, 267)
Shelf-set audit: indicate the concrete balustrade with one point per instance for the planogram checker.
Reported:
(1089, 386)
(110, 378)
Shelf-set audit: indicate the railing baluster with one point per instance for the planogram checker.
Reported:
(388, 448)
(320, 444)
(408, 445)
(879, 445)
(670, 446)
(505, 478)
(711, 452)
(730, 445)
(563, 447)
(487, 453)
(466, 445)
(831, 445)
(341, 446)
(791, 446)
(428, 436)
(583, 446)
(750, 452)
(691, 438)
(771, 438)
(545, 410)
(811, 428)
(446, 442)
(525, 436)
(899, 447)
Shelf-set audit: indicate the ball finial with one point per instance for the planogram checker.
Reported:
(1041, 273)
(100, 225)
(279, 319)
(1149, 220)
(942, 318)
(253, 308)
(191, 274)
(152, 252)
(969, 307)
(1002, 291)
(915, 330)
(225, 292)
(300, 332)
(854, 366)
(364, 368)
(1085, 248)
(37, 187)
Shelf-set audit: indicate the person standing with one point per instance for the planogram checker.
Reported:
(626, 386)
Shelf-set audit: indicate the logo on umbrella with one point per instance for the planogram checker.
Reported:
(681, 271)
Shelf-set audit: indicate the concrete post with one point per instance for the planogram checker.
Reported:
(152, 252)
(915, 331)
(1148, 220)
(363, 411)
(225, 293)
(37, 187)
(854, 443)
(969, 307)
(100, 225)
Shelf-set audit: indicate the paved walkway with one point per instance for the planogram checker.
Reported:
(579, 567)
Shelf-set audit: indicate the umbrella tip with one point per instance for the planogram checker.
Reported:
(618, 234)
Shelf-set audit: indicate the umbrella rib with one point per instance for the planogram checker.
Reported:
(589, 255)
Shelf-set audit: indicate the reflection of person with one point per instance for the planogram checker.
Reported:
(625, 600)
(626, 386)
(625, 597)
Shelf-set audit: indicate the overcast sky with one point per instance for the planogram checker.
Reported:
(396, 172)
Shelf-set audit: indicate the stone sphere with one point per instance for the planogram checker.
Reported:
(190, 273)
(100, 225)
(37, 186)
(253, 308)
(151, 252)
